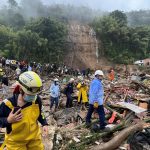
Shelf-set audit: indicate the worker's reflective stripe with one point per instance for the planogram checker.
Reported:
(8, 103)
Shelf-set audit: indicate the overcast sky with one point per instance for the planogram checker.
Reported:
(109, 5)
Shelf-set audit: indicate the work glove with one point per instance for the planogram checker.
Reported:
(95, 105)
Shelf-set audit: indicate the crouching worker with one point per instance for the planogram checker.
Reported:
(20, 115)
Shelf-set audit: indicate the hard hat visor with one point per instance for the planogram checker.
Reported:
(31, 89)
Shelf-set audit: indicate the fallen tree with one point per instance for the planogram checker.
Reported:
(118, 139)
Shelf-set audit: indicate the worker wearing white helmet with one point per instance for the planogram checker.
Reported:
(99, 73)
(21, 114)
(96, 96)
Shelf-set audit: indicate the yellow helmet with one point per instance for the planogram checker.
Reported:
(30, 82)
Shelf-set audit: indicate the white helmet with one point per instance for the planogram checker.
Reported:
(99, 72)
(56, 80)
(80, 78)
(30, 82)
(71, 80)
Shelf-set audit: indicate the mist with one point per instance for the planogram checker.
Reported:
(106, 5)
(83, 11)
(41, 8)
(103, 5)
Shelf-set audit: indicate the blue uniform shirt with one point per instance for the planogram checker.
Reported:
(54, 90)
(96, 92)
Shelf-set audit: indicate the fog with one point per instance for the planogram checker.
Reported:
(80, 10)
(104, 5)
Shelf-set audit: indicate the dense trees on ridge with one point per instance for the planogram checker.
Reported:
(122, 43)
(39, 33)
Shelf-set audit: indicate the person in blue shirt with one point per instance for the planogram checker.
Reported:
(96, 96)
(54, 94)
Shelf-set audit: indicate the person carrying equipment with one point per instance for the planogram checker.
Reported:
(20, 115)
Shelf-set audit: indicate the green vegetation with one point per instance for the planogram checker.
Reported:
(36, 32)
(122, 44)
(42, 40)
(39, 39)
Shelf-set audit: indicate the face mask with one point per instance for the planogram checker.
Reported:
(29, 98)
(56, 83)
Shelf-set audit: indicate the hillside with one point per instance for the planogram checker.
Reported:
(84, 50)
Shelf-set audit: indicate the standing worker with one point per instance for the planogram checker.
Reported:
(68, 92)
(20, 115)
(54, 94)
(82, 96)
(1, 74)
(96, 96)
(111, 75)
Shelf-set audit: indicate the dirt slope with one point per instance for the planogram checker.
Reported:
(83, 48)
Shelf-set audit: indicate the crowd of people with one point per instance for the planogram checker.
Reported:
(20, 113)
(89, 96)
(43, 69)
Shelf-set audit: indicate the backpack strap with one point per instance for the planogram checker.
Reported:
(8, 103)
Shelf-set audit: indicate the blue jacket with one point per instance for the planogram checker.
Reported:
(96, 92)
(54, 90)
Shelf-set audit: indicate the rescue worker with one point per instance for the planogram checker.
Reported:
(68, 92)
(111, 75)
(54, 94)
(1, 74)
(96, 96)
(20, 115)
(82, 95)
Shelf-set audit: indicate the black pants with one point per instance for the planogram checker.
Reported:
(101, 113)
(54, 100)
(69, 100)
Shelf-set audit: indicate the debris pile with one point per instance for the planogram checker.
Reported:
(127, 106)
(127, 109)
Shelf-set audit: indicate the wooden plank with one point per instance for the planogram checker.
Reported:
(132, 107)
(144, 99)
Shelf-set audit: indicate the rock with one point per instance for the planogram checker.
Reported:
(76, 139)
(59, 137)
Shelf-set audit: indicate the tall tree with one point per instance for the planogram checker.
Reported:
(120, 17)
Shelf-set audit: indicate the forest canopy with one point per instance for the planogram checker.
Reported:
(34, 31)
(122, 43)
